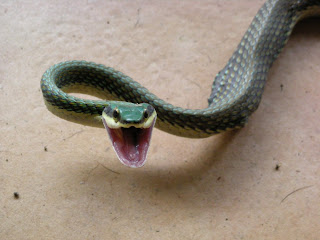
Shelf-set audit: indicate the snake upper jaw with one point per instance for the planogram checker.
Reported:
(130, 144)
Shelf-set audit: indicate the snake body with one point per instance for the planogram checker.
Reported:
(236, 90)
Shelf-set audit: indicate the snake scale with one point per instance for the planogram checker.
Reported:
(236, 89)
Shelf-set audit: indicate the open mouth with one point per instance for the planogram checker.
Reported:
(131, 144)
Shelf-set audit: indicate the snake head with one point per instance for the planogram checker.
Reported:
(129, 127)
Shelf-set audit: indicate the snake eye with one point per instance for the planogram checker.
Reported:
(145, 114)
(115, 113)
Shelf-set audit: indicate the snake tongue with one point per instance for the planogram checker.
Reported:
(131, 144)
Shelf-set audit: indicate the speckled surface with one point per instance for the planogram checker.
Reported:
(70, 183)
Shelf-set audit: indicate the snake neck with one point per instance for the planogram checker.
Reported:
(236, 90)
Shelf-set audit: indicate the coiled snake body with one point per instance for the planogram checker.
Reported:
(236, 90)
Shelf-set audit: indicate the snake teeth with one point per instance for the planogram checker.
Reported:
(130, 144)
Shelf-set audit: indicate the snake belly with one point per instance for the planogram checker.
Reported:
(236, 90)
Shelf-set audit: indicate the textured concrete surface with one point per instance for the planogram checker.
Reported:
(70, 183)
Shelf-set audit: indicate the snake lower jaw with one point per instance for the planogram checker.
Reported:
(131, 144)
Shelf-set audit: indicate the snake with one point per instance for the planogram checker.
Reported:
(129, 111)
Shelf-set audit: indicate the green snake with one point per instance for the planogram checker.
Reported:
(131, 110)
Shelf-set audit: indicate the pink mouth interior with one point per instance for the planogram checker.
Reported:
(131, 144)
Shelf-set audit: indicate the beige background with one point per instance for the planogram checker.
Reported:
(223, 187)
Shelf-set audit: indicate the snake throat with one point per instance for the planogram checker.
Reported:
(130, 144)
